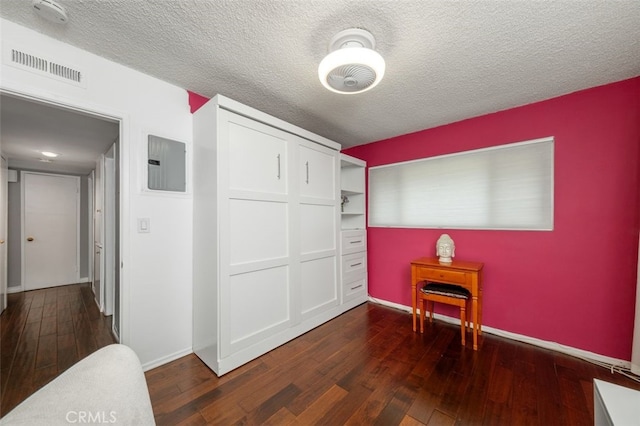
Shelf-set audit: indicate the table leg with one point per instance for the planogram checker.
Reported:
(475, 323)
(480, 313)
(413, 303)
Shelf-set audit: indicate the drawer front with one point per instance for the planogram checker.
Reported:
(443, 276)
(353, 241)
(354, 263)
(354, 288)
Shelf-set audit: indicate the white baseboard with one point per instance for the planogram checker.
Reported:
(579, 353)
(84, 280)
(14, 289)
(164, 360)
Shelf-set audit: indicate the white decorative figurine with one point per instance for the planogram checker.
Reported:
(445, 248)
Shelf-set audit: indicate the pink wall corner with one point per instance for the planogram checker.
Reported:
(574, 285)
(196, 101)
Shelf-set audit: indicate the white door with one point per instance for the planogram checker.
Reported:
(317, 171)
(50, 230)
(317, 178)
(109, 239)
(3, 234)
(98, 232)
(255, 211)
(257, 155)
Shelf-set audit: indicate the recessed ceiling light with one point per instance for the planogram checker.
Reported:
(50, 154)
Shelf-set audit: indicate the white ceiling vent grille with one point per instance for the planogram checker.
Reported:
(30, 61)
(65, 72)
(44, 66)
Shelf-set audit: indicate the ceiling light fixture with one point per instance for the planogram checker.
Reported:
(352, 66)
(51, 11)
(50, 154)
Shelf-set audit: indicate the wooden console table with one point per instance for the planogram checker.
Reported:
(464, 274)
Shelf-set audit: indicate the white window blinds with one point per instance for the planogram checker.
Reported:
(504, 187)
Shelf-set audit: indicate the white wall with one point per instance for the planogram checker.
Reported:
(156, 278)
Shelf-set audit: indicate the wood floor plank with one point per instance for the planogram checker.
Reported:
(42, 376)
(282, 417)
(524, 409)
(67, 352)
(410, 421)
(20, 380)
(187, 411)
(48, 325)
(326, 402)
(47, 354)
(341, 412)
(473, 401)
(194, 420)
(49, 309)
(274, 404)
(438, 418)
(396, 408)
(424, 405)
(550, 409)
(321, 384)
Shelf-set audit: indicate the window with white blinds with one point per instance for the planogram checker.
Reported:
(503, 187)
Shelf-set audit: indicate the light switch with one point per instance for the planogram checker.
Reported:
(144, 225)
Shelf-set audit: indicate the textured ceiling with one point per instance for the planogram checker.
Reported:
(446, 60)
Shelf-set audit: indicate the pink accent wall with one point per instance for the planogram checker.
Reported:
(574, 285)
(196, 101)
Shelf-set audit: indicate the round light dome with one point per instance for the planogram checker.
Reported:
(351, 70)
(352, 66)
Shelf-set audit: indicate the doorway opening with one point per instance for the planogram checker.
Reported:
(86, 141)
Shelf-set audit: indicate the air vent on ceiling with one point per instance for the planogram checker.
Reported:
(46, 67)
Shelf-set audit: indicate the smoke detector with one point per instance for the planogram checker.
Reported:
(50, 10)
(352, 66)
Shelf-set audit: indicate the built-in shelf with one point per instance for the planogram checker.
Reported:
(352, 189)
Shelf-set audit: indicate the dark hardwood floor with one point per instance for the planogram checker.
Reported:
(367, 367)
(364, 367)
(44, 332)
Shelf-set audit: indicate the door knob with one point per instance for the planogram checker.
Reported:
(1, 241)
(30, 238)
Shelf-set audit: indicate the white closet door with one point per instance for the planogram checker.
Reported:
(255, 283)
(318, 215)
(317, 169)
(257, 155)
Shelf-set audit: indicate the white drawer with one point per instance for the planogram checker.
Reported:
(354, 289)
(354, 264)
(354, 241)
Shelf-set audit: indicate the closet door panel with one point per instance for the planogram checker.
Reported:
(318, 285)
(317, 169)
(317, 228)
(258, 231)
(257, 155)
(257, 306)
